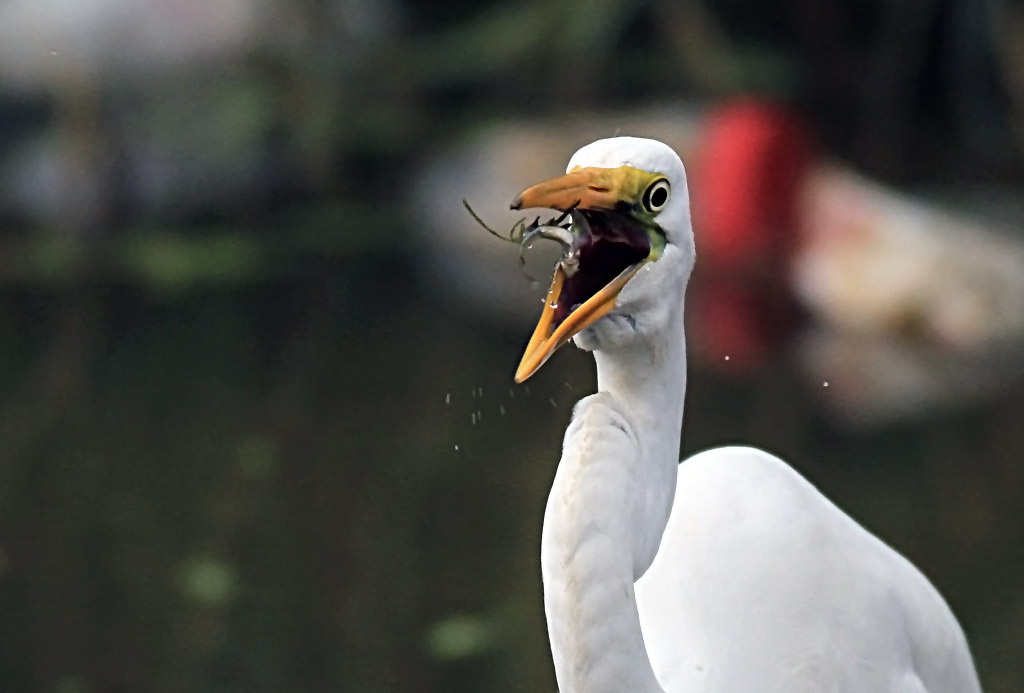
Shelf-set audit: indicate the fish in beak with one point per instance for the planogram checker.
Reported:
(613, 235)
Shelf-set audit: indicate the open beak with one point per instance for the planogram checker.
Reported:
(583, 189)
(547, 338)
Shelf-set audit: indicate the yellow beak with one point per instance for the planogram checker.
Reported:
(590, 187)
(547, 339)
(586, 188)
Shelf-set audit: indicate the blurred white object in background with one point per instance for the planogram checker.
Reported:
(877, 261)
(918, 308)
(870, 379)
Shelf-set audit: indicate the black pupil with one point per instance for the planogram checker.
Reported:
(659, 196)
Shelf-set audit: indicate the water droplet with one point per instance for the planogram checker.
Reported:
(825, 384)
(553, 403)
(456, 446)
(511, 393)
(481, 392)
(501, 409)
(472, 419)
(448, 398)
(568, 386)
(54, 53)
(479, 415)
(553, 304)
(726, 358)
(526, 388)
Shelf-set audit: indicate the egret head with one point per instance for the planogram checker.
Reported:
(632, 193)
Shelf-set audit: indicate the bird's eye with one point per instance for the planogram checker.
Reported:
(657, 196)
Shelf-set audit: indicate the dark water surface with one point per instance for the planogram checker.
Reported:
(327, 481)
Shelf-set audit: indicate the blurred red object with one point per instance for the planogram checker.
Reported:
(748, 171)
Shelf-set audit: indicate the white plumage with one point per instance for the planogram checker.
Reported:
(728, 572)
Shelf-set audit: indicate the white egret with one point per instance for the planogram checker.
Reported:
(729, 571)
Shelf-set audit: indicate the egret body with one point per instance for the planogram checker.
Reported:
(728, 572)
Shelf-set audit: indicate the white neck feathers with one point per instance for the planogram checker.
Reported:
(610, 502)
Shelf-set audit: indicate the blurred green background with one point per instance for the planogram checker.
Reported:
(255, 434)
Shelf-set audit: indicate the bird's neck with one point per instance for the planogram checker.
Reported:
(649, 385)
(607, 511)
